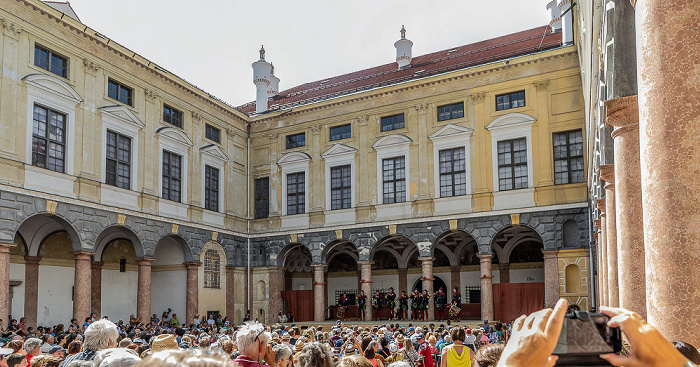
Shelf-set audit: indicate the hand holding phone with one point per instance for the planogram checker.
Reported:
(584, 337)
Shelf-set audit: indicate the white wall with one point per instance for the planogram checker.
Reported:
(447, 278)
(469, 278)
(340, 283)
(521, 275)
(17, 306)
(168, 290)
(168, 252)
(386, 281)
(302, 284)
(119, 292)
(412, 279)
(55, 305)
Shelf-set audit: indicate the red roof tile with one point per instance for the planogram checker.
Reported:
(504, 47)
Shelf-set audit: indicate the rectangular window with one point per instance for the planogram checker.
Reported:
(49, 139)
(341, 187)
(172, 116)
(512, 164)
(120, 92)
(340, 132)
(262, 197)
(451, 111)
(211, 188)
(296, 193)
(212, 133)
(394, 179)
(296, 140)
(47, 59)
(392, 122)
(172, 176)
(510, 100)
(453, 172)
(118, 167)
(568, 157)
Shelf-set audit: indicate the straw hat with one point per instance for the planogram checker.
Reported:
(350, 350)
(299, 345)
(163, 342)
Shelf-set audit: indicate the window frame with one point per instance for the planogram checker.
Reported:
(296, 143)
(452, 173)
(292, 162)
(451, 105)
(390, 146)
(173, 112)
(47, 138)
(569, 157)
(512, 165)
(175, 141)
(127, 127)
(257, 199)
(209, 128)
(118, 137)
(215, 271)
(395, 180)
(51, 52)
(296, 193)
(180, 178)
(342, 187)
(393, 122)
(209, 191)
(120, 86)
(342, 134)
(510, 102)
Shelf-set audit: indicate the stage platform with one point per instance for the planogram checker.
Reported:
(330, 323)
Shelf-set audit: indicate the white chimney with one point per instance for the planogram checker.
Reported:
(403, 50)
(261, 78)
(555, 23)
(274, 86)
(567, 21)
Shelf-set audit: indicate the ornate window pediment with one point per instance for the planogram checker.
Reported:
(294, 157)
(391, 141)
(450, 131)
(175, 135)
(122, 114)
(337, 150)
(53, 85)
(510, 120)
(215, 152)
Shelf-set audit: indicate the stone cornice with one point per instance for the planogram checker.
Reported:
(623, 114)
(607, 173)
(600, 203)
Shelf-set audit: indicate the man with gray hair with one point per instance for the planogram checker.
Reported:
(32, 348)
(253, 345)
(99, 335)
(283, 355)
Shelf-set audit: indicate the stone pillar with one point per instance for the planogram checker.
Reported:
(5, 282)
(455, 272)
(504, 272)
(403, 281)
(96, 288)
(603, 243)
(31, 289)
(607, 173)
(551, 278)
(143, 295)
(82, 284)
(623, 113)
(192, 298)
(231, 291)
(486, 287)
(668, 44)
(598, 280)
(276, 279)
(319, 292)
(366, 281)
(427, 279)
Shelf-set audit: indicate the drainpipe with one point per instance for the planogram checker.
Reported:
(247, 200)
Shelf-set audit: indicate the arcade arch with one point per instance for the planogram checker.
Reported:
(169, 276)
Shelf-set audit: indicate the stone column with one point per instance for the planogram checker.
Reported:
(607, 173)
(551, 278)
(230, 291)
(319, 292)
(598, 280)
(603, 266)
(504, 272)
(486, 287)
(31, 289)
(668, 44)
(192, 298)
(82, 284)
(96, 288)
(5, 282)
(623, 113)
(455, 272)
(403, 281)
(427, 279)
(143, 295)
(276, 279)
(366, 281)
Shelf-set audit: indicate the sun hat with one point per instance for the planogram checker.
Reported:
(299, 345)
(163, 342)
(286, 337)
(350, 350)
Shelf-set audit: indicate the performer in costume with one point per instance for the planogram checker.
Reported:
(456, 303)
(403, 306)
(426, 304)
(415, 305)
(391, 302)
(344, 302)
(362, 304)
(440, 302)
(376, 305)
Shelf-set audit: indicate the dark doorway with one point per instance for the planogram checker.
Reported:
(437, 283)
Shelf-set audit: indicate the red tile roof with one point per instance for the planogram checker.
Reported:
(504, 47)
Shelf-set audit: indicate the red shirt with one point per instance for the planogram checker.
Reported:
(244, 361)
(425, 350)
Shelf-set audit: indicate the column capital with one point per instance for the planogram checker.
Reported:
(485, 257)
(97, 264)
(600, 203)
(366, 263)
(142, 261)
(597, 223)
(319, 267)
(426, 259)
(32, 260)
(6, 247)
(504, 266)
(456, 268)
(607, 173)
(192, 265)
(275, 269)
(549, 254)
(623, 114)
(83, 255)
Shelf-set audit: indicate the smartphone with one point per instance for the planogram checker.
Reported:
(584, 336)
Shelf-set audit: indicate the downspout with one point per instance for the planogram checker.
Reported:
(247, 200)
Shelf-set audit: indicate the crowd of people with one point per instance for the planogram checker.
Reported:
(212, 341)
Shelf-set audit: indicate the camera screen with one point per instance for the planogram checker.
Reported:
(585, 337)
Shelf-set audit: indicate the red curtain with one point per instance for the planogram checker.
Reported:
(510, 300)
(301, 304)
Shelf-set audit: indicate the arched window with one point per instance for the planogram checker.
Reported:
(573, 279)
(212, 269)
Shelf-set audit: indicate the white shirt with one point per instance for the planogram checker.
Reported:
(470, 339)
(282, 319)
